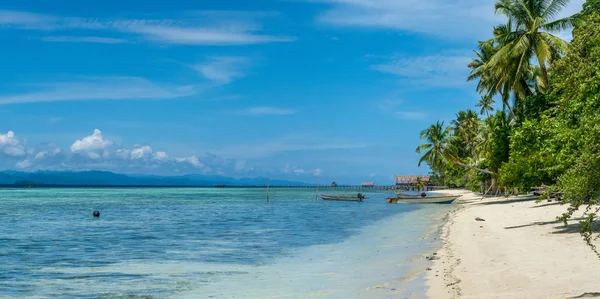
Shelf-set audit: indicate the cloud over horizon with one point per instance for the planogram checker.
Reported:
(97, 152)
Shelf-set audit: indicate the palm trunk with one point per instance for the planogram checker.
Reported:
(507, 104)
(474, 168)
(544, 72)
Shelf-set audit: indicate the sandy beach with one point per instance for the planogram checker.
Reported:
(519, 251)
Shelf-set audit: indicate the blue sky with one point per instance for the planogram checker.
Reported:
(294, 89)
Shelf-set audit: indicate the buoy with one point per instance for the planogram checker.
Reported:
(96, 213)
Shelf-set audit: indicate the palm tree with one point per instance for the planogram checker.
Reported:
(487, 104)
(466, 126)
(491, 81)
(530, 36)
(439, 142)
(440, 149)
(419, 184)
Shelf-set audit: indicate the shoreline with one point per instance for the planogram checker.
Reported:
(519, 251)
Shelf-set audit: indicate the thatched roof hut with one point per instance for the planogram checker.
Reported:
(410, 179)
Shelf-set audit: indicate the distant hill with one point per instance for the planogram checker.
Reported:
(99, 178)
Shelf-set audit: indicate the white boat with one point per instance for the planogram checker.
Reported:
(416, 199)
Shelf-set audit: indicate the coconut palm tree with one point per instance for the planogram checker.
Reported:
(466, 126)
(487, 104)
(439, 148)
(419, 184)
(529, 36)
(438, 144)
(491, 81)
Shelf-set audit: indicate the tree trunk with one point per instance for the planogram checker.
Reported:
(507, 104)
(544, 72)
(474, 168)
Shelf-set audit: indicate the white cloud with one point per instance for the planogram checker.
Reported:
(222, 69)
(141, 152)
(23, 164)
(464, 19)
(98, 88)
(242, 166)
(160, 156)
(84, 39)
(318, 172)
(92, 143)
(189, 35)
(193, 160)
(123, 153)
(40, 155)
(188, 31)
(428, 71)
(266, 111)
(10, 145)
(96, 152)
(410, 115)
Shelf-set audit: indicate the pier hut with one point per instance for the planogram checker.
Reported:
(367, 184)
(409, 181)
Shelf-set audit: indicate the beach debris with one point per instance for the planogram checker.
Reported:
(428, 269)
(479, 219)
(96, 213)
(435, 253)
(432, 258)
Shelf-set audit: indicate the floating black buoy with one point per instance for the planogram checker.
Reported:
(96, 214)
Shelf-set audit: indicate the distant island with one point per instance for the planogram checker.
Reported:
(106, 178)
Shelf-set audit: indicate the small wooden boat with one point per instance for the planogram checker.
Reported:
(444, 199)
(359, 197)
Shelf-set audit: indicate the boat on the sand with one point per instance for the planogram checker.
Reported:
(418, 199)
(358, 197)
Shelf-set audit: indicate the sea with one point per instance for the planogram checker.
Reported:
(212, 243)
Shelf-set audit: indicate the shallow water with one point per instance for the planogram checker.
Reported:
(210, 243)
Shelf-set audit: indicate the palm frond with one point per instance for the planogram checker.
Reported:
(556, 43)
(561, 24)
(554, 8)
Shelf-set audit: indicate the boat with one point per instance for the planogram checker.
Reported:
(358, 197)
(405, 199)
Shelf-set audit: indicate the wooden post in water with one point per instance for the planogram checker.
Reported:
(317, 192)
(268, 182)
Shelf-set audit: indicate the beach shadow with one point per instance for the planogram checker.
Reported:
(554, 203)
(533, 223)
(588, 295)
(508, 201)
(560, 229)
(573, 228)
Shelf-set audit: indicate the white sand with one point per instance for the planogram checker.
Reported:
(519, 251)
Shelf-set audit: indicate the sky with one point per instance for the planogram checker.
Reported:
(306, 90)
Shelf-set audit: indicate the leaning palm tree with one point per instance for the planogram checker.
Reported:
(439, 148)
(487, 104)
(530, 37)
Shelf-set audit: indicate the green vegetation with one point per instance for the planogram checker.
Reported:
(548, 131)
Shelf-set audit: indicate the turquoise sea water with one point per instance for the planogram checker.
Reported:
(211, 243)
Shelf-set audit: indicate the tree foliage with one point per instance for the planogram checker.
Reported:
(549, 130)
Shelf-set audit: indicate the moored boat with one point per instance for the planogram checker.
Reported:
(405, 199)
(358, 197)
